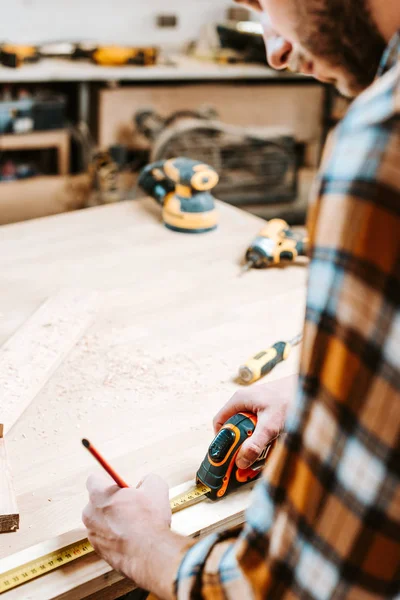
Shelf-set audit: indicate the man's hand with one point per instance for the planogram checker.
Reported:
(270, 402)
(130, 529)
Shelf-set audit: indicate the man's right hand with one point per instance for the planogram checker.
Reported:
(270, 403)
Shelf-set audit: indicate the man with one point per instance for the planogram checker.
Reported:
(325, 520)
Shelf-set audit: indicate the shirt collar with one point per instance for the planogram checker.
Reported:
(391, 55)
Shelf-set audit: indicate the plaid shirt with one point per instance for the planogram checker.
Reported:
(324, 522)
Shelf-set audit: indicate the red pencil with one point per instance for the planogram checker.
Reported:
(104, 464)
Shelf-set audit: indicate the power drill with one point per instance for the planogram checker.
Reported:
(274, 244)
(182, 186)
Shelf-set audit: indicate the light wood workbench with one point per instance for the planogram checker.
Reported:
(146, 379)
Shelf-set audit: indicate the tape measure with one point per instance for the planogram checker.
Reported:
(189, 498)
(58, 558)
(44, 564)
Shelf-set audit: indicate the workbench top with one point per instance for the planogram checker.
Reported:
(181, 68)
(145, 380)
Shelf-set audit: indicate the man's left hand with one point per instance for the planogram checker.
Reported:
(130, 529)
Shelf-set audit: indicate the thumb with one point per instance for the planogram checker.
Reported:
(252, 447)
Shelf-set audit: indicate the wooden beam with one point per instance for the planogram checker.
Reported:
(90, 575)
(33, 353)
(9, 516)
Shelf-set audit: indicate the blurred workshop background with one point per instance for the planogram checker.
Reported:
(92, 92)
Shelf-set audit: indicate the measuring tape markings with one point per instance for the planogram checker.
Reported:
(43, 564)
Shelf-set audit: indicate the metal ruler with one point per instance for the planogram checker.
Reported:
(58, 558)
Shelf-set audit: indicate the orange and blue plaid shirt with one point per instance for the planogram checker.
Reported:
(324, 522)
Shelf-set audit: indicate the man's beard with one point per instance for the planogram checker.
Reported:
(342, 33)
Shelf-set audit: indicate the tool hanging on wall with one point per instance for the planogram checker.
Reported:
(275, 244)
(183, 188)
(263, 362)
(216, 477)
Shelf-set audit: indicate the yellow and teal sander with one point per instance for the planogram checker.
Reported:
(183, 188)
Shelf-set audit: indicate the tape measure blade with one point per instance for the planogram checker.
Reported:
(188, 498)
(43, 565)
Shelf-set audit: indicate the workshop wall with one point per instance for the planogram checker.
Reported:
(122, 21)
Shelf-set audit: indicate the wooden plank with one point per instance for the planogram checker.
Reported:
(33, 353)
(91, 574)
(9, 516)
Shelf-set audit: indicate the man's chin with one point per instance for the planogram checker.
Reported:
(348, 90)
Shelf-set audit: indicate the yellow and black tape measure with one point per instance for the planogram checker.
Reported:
(58, 558)
(44, 564)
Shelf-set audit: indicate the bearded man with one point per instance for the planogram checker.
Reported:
(324, 522)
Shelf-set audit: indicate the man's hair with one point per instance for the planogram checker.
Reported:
(343, 33)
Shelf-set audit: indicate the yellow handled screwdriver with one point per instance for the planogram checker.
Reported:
(262, 363)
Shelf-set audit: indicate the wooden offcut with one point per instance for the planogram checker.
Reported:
(31, 355)
(9, 516)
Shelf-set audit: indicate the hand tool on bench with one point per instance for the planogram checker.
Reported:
(276, 243)
(263, 362)
(183, 188)
(216, 477)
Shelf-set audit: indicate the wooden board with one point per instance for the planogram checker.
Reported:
(91, 574)
(145, 380)
(31, 355)
(9, 516)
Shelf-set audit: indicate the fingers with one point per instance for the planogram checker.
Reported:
(88, 517)
(155, 487)
(252, 448)
(100, 489)
(240, 401)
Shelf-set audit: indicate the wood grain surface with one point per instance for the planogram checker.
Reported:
(159, 360)
(33, 353)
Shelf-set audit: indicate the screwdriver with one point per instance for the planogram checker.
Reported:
(262, 363)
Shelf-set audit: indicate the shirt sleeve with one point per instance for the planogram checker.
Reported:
(325, 518)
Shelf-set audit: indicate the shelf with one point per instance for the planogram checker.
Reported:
(180, 68)
(36, 140)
